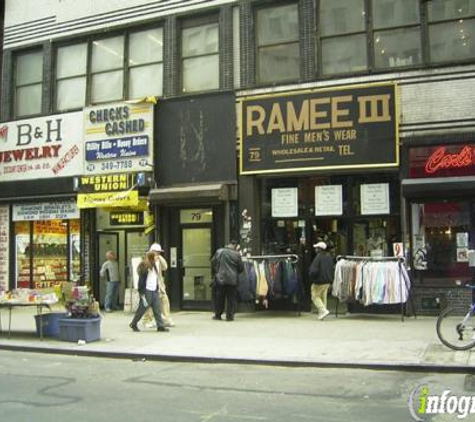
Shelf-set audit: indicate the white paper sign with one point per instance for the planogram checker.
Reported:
(285, 202)
(4, 246)
(62, 210)
(329, 200)
(40, 148)
(375, 199)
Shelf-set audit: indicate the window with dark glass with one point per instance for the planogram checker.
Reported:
(278, 50)
(28, 83)
(451, 30)
(441, 235)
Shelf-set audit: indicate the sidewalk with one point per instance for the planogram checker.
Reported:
(284, 338)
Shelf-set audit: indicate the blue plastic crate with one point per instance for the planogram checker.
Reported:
(75, 329)
(50, 323)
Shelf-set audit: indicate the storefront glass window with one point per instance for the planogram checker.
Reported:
(47, 252)
(329, 209)
(441, 237)
(23, 256)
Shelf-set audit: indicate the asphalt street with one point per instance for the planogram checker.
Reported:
(42, 387)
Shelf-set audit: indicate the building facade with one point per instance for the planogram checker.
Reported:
(129, 122)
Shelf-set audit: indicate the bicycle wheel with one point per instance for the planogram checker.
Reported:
(455, 329)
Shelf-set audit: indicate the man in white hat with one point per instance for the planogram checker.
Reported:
(321, 273)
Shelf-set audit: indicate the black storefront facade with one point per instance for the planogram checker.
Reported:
(438, 189)
(195, 193)
(321, 165)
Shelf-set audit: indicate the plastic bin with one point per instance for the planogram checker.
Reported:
(75, 329)
(50, 323)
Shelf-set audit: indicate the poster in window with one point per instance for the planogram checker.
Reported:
(462, 255)
(4, 246)
(285, 202)
(462, 240)
(328, 200)
(375, 198)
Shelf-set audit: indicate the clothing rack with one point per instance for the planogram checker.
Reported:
(382, 259)
(292, 258)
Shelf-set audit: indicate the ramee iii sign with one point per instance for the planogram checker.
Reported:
(349, 127)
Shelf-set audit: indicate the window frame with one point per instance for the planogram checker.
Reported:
(17, 86)
(258, 48)
(197, 22)
(126, 67)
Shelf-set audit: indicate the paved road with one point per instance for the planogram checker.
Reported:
(40, 387)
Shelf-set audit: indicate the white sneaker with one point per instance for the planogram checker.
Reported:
(150, 325)
(323, 314)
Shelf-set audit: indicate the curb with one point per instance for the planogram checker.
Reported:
(402, 367)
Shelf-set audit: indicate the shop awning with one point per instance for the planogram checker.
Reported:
(213, 193)
(439, 187)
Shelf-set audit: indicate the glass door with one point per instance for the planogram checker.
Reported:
(196, 264)
(107, 242)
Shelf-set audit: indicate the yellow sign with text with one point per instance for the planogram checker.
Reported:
(108, 199)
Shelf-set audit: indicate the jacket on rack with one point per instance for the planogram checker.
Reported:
(322, 269)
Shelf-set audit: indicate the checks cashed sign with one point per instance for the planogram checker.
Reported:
(41, 148)
(118, 138)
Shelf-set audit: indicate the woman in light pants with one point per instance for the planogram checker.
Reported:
(164, 301)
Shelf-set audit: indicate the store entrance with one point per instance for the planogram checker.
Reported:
(127, 244)
(107, 242)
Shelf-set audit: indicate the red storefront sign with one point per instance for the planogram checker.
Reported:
(442, 161)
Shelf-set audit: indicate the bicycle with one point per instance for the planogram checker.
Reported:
(456, 325)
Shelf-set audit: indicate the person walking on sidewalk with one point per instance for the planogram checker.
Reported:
(321, 273)
(110, 270)
(162, 266)
(148, 288)
(226, 265)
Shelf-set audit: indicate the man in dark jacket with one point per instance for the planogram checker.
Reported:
(321, 273)
(226, 265)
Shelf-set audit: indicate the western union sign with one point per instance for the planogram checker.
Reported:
(106, 183)
(108, 199)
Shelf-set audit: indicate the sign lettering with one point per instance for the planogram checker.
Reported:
(340, 128)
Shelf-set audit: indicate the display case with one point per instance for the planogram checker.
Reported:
(47, 253)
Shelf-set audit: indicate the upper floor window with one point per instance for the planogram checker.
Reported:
(146, 63)
(107, 70)
(28, 84)
(343, 36)
(278, 49)
(104, 70)
(451, 30)
(200, 57)
(71, 76)
(397, 34)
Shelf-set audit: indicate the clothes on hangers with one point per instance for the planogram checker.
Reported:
(371, 282)
(269, 278)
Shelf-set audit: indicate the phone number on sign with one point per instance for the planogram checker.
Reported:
(117, 165)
